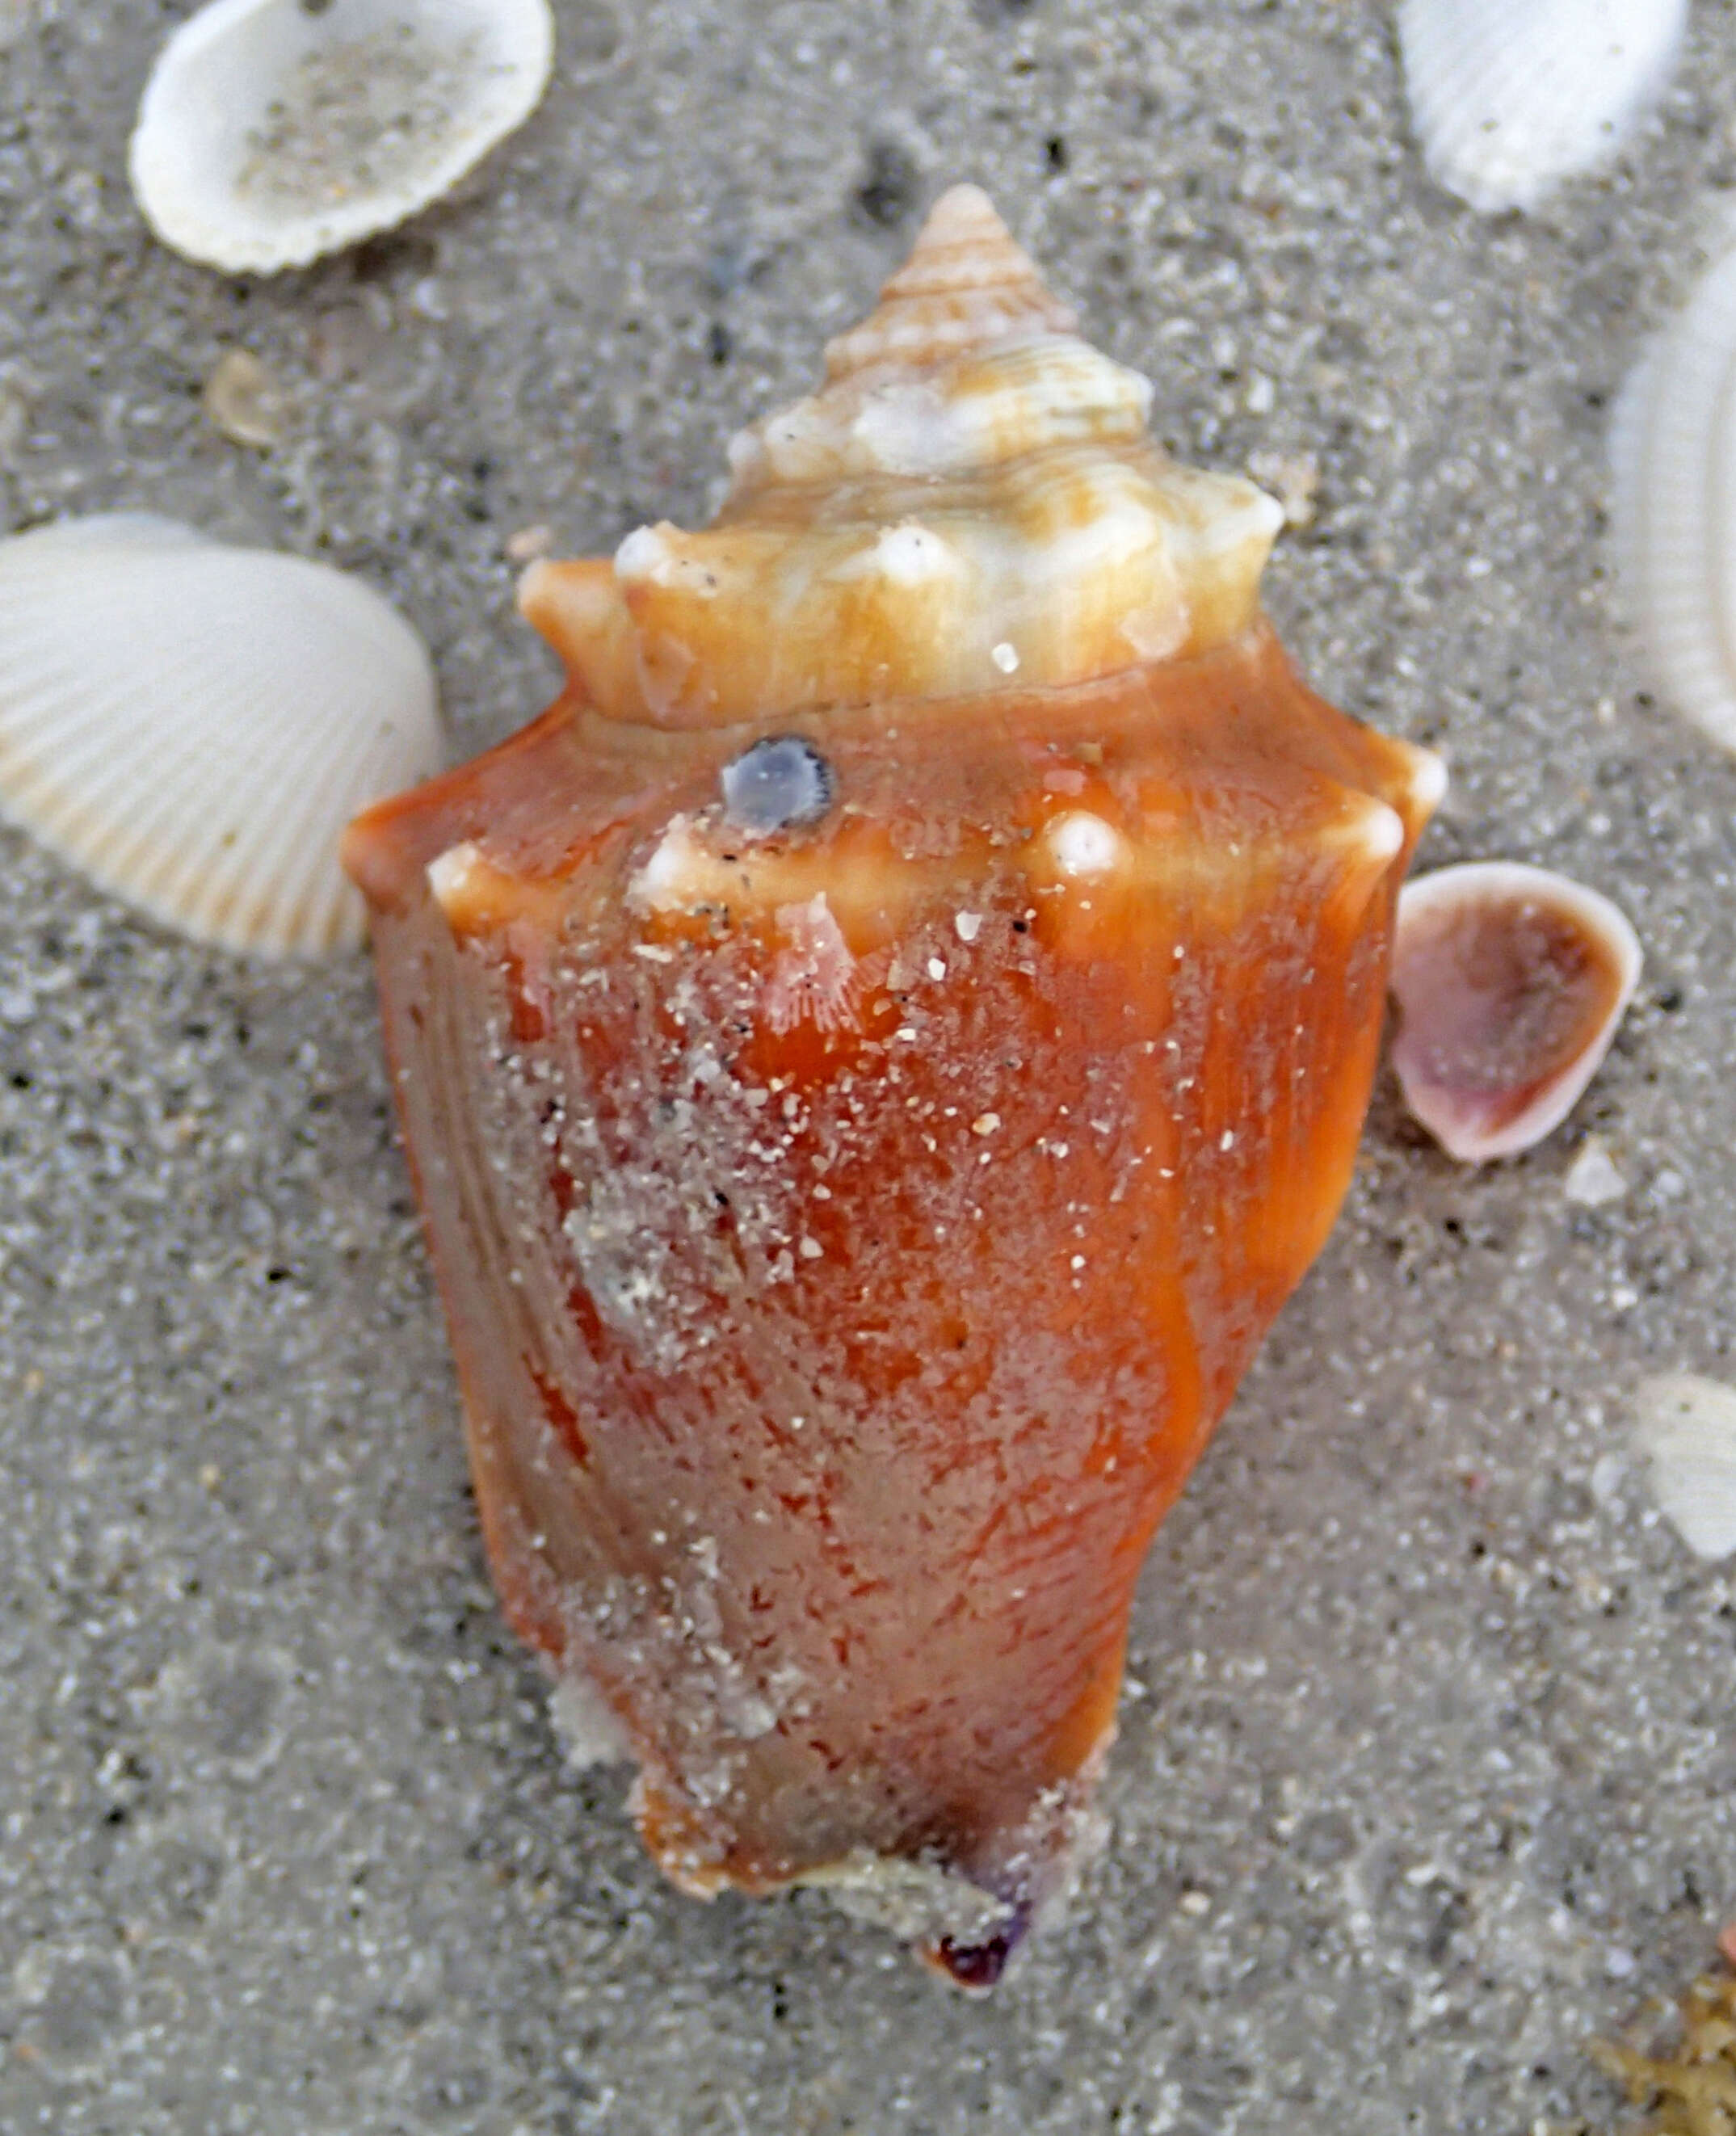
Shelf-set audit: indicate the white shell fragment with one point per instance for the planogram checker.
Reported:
(243, 401)
(1593, 1179)
(1687, 1431)
(1671, 451)
(1510, 981)
(273, 131)
(1510, 97)
(194, 725)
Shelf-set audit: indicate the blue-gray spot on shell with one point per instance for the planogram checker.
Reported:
(779, 785)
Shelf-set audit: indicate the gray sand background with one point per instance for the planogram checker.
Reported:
(1426, 1761)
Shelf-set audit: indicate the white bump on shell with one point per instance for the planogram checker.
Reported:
(644, 554)
(1085, 845)
(669, 875)
(449, 872)
(1428, 779)
(1381, 832)
(908, 554)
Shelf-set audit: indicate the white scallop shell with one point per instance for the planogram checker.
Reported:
(272, 131)
(1687, 1431)
(1510, 97)
(1672, 458)
(194, 725)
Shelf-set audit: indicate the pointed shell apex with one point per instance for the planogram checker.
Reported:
(967, 283)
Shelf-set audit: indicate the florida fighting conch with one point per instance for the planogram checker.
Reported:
(876, 1054)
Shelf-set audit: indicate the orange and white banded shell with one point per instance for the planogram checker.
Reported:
(971, 502)
(876, 1053)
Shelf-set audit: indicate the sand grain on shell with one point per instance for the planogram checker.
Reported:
(359, 118)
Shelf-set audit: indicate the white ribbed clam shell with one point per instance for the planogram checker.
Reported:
(1673, 464)
(1687, 1432)
(271, 132)
(194, 725)
(1510, 97)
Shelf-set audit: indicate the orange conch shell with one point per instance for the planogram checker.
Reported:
(876, 1056)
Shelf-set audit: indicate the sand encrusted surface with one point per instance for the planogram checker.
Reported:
(1427, 1767)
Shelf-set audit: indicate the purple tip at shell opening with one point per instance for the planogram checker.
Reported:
(977, 1967)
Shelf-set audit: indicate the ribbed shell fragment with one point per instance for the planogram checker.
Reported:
(1670, 445)
(1511, 97)
(193, 725)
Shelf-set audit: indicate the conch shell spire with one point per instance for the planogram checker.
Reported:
(965, 285)
(970, 502)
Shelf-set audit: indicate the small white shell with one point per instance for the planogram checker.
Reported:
(1687, 1431)
(1593, 1180)
(194, 725)
(1510, 97)
(1509, 983)
(1672, 452)
(272, 131)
